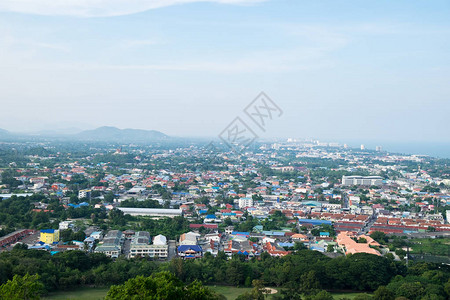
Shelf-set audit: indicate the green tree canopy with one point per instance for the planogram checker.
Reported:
(22, 287)
(162, 285)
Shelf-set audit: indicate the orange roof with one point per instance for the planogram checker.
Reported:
(300, 236)
(345, 240)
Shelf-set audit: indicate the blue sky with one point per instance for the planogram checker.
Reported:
(340, 70)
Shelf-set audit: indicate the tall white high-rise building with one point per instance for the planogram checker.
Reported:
(362, 180)
(363, 147)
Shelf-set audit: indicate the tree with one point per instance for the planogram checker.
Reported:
(363, 297)
(299, 246)
(117, 217)
(257, 293)
(431, 229)
(109, 197)
(382, 293)
(379, 236)
(235, 272)
(410, 290)
(162, 285)
(228, 222)
(322, 295)
(289, 292)
(447, 288)
(22, 287)
(309, 283)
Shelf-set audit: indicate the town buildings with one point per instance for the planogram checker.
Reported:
(49, 236)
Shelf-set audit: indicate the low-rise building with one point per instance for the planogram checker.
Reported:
(190, 251)
(190, 238)
(65, 225)
(111, 245)
(154, 212)
(245, 202)
(350, 246)
(49, 236)
(141, 247)
(362, 180)
(84, 194)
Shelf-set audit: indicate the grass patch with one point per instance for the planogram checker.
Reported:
(437, 246)
(230, 292)
(349, 295)
(81, 293)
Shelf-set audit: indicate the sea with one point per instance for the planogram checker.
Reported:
(434, 149)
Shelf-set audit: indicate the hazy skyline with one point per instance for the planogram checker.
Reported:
(338, 69)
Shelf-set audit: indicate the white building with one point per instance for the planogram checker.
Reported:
(190, 238)
(354, 200)
(84, 194)
(213, 237)
(229, 229)
(160, 240)
(65, 225)
(245, 202)
(331, 206)
(97, 235)
(362, 180)
(140, 246)
(155, 212)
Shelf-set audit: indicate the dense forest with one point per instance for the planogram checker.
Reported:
(302, 273)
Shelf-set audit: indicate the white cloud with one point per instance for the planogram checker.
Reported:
(97, 8)
(140, 43)
(298, 59)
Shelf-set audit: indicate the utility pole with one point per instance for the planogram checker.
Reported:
(407, 255)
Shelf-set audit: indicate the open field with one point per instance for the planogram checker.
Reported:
(81, 293)
(230, 292)
(438, 246)
(338, 296)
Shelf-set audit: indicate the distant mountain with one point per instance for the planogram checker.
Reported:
(113, 134)
(58, 132)
(4, 132)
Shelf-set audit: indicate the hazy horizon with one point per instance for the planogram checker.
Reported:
(339, 70)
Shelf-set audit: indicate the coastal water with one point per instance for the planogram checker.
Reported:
(435, 149)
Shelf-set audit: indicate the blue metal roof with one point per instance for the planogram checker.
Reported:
(314, 221)
(229, 214)
(240, 233)
(274, 233)
(184, 248)
(286, 244)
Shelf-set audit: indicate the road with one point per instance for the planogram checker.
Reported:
(345, 203)
(172, 249)
(368, 225)
(126, 247)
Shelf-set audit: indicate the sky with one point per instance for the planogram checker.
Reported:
(339, 70)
